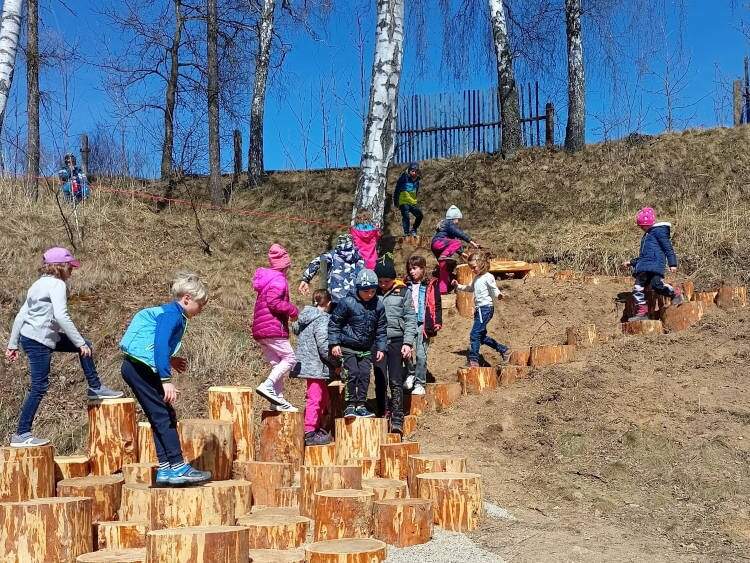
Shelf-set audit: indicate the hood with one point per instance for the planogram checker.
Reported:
(264, 276)
(661, 225)
(398, 283)
(309, 315)
(346, 249)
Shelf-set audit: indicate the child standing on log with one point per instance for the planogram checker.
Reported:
(149, 346)
(356, 328)
(425, 294)
(271, 316)
(648, 267)
(366, 234)
(312, 354)
(344, 263)
(485, 290)
(43, 326)
(448, 244)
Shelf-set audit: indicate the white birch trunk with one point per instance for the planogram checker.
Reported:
(510, 114)
(575, 132)
(10, 29)
(380, 127)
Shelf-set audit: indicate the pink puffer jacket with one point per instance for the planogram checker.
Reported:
(272, 306)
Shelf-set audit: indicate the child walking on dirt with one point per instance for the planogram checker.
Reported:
(356, 328)
(405, 198)
(485, 290)
(42, 327)
(312, 354)
(271, 316)
(648, 267)
(447, 245)
(344, 263)
(428, 305)
(149, 347)
(366, 234)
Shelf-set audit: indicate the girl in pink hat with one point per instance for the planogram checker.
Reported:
(271, 316)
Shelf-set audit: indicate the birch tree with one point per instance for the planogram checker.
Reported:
(380, 125)
(214, 150)
(32, 96)
(575, 131)
(10, 29)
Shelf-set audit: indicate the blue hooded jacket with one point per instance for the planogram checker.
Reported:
(656, 249)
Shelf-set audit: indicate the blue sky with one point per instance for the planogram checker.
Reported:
(328, 68)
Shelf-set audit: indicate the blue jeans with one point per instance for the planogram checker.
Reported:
(478, 334)
(40, 358)
(405, 219)
(418, 367)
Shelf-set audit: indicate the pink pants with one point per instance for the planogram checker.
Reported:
(443, 248)
(317, 403)
(278, 352)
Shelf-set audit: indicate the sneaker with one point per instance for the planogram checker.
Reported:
(473, 364)
(362, 412)
(641, 314)
(317, 438)
(350, 411)
(163, 475)
(103, 392)
(505, 355)
(409, 382)
(267, 391)
(286, 406)
(413, 233)
(418, 389)
(188, 475)
(397, 428)
(26, 440)
(678, 298)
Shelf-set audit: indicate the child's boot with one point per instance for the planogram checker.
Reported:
(641, 313)
(678, 298)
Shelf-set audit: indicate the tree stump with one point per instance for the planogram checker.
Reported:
(642, 327)
(27, 473)
(705, 297)
(121, 534)
(584, 336)
(564, 275)
(144, 473)
(539, 269)
(282, 437)
(133, 555)
(275, 531)
(415, 404)
(113, 435)
(464, 300)
(729, 297)
(320, 455)
(520, 356)
(369, 466)
(675, 319)
(173, 507)
(235, 404)
(410, 424)
(457, 499)
(432, 463)
(46, 529)
(208, 445)
(475, 381)
(277, 556)
(105, 491)
(358, 438)
(69, 466)
(199, 544)
(403, 522)
(394, 459)
(240, 491)
(511, 374)
(135, 505)
(688, 290)
(549, 355)
(342, 513)
(336, 404)
(314, 478)
(266, 477)
(449, 305)
(350, 550)
(288, 496)
(146, 446)
(441, 396)
(385, 488)
(392, 438)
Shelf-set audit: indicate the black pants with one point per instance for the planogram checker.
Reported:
(149, 392)
(390, 373)
(356, 374)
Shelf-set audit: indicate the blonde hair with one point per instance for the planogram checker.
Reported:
(482, 259)
(188, 283)
(59, 271)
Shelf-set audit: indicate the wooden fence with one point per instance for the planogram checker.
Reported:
(460, 123)
(741, 98)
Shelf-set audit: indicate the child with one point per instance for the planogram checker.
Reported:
(312, 353)
(271, 326)
(429, 308)
(366, 235)
(344, 263)
(484, 288)
(405, 198)
(149, 347)
(43, 326)
(648, 268)
(357, 326)
(402, 334)
(447, 244)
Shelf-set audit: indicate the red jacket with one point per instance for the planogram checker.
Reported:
(272, 306)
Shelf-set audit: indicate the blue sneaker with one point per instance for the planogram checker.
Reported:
(103, 392)
(350, 411)
(362, 412)
(188, 475)
(163, 476)
(26, 440)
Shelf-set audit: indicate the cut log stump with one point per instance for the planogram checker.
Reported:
(235, 404)
(208, 445)
(564, 275)
(464, 300)
(548, 355)
(457, 499)
(731, 297)
(642, 327)
(105, 491)
(282, 437)
(121, 535)
(356, 550)
(370, 466)
(415, 404)
(475, 381)
(403, 522)
(342, 513)
(314, 478)
(394, 459)
(69, 466)
(144, 473)
(410, 424)
(275, 531)
(688, 290)
(136, 503)
(584, 336)
(146, 446)
(383, 489)
(173, 507)
(199, 544)
(240, 491)
(320, 455)
(27, 473)
(442, 396)
(675, 319)
(288, 496)
(510, 374)
(46, 529)
(392, 438)
(705, 297)
(113, 435)
(266, 477)
(358, 438)
(520, 356)
(336, 404)
(432, 463)
(277, 556)
(133, 555)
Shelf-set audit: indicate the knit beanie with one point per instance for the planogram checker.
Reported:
(385, 269)
(453, 213)
(278, 257)
(646, 217)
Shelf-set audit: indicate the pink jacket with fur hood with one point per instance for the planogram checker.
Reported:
(272, 306)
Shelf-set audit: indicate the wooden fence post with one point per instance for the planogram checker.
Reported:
(737, 102)
(85, 153)
(549, 113)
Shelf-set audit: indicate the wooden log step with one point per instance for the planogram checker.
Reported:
(146, 446)
(277, 556)
(121, 534)
(431, 463)
(136, 503)
(549, 355)
(403, 522)
(69, 466)
(539, 269)
(410, 424)
(394, 459)
(27, 473)
(105, 491)
(134, 555)
(350, 550)
(369, 465)
(314, 478)
(336, 404)
(464, 300)
(235, 404)
(584, 336)
(275, 531)
(321, 455)
(342, 513)
(288, 496)
(705, 297)
(441, 396)
(457, 499)
(282, 437)
(415, 404)
(175, 507)
(392, 438)
(510, 374)
(675, 319)
(688, 289)
(113, 435)
(288, 510)
(358, 438)
(520, 356)
(47, 529)
(199, 544)
(240, 491)
(642, 327)
(265, 477)
(144, 473)
(518, 267)
(564, 275)
(208, 445)
(385, 488)
(475, 381)
(731, 297)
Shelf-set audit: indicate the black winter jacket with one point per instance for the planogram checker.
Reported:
(359, 325)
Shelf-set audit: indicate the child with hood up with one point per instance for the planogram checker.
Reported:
(344, 262)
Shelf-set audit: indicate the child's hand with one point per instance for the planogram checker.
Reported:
(85, 351)
(11, 355)
(304, 288)
(170, 393)
(379, 356)
(178, 364)
(673, 269)
(406, 351)
(336, 351)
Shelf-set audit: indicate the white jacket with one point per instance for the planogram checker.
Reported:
(484, 288)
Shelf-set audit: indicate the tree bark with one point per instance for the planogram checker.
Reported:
(32, 96)
(380, 127)
(10, 30)
(510, 114)
(170, 101)
(214, 152)
(575, 132)
(255, 165)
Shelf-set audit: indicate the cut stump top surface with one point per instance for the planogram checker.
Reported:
(344, 546)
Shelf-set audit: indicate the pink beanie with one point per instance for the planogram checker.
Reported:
(278, 257)
(646, 217)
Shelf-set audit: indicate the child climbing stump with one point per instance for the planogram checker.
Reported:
(27, 473)
(316, 478)
(208, 445)
(241, 492)
(441, 396)
(369, 466)
(282, 437)
(113, 435)
(121, 534)
(199, 544)
(191, 506)
(139, 473)
(511, 374)
(464, 300)
(431, 463)
(136, 555)
(457, 499)
(47, 529)
(342, 513)
(394, 459)
(356, 550)
(136, 503)
(675, 319)
(320, 455)
(731, 297)
(275, 531)
(416, 404)
(235, 404)
(642, 327)
(277, 556)
(358, 438)
(146, 447)
(584, 336)
(475, 381)
(105, 491)
(266, 477)
(288, 496)
(385, 488)
(403, 522)
(69, 466)
(549, 355)
(520, 356)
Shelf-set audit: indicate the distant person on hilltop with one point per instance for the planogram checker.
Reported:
(405, 198)
(344, 262)
(448, 244)
(75, 186)
(648, 267)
